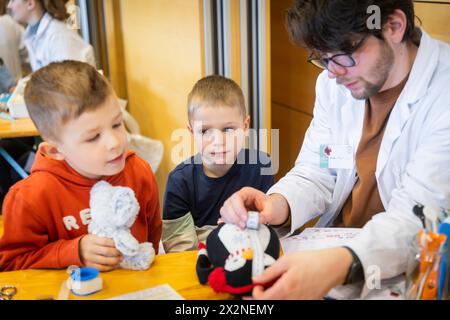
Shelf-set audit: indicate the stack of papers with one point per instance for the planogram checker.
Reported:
(318, 238)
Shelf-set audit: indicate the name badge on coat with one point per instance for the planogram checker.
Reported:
(334, 156)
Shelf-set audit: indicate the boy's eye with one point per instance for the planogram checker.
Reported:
(118, 125)
(94, 138)
(228, 130)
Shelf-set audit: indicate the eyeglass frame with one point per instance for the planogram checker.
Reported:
(349, 54)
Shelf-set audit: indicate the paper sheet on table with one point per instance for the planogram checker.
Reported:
(163, 292)
(318, 238)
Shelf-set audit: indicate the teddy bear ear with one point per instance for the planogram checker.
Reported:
(102, 184)
(100, 187)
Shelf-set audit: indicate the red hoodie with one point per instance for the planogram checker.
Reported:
(46, 215)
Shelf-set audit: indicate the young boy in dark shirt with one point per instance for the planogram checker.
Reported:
(198, 187)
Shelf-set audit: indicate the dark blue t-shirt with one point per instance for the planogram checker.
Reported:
(189, 189)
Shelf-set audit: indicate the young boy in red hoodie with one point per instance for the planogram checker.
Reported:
(46, 215)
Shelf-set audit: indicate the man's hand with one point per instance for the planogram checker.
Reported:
(304, 275)
(100, 253)
(273, 209)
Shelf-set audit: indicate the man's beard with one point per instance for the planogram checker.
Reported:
(380, 72)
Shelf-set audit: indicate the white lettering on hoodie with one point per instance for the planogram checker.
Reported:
(70, 222)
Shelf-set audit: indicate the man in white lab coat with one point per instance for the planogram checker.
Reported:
(378, 145)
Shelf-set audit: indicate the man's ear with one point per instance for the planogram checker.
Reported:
(395, 27)
(51, 150)
(190, 129)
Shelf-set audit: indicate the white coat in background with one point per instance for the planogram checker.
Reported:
(413, 163)
(11, 44)
(55, 41)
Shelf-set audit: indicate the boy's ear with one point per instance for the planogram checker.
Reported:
(247, 124)
(51, 150)
(190, 128)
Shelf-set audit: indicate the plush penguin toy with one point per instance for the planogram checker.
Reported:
(231, 257)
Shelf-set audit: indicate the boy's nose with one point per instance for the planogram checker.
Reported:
(113, 142)
(219, 138)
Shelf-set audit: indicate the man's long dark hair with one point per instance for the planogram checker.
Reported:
(3, 5)
(334, 25)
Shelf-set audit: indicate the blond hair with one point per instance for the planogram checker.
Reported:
(216, 91)
(63, 91)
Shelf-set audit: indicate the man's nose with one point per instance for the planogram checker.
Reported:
(335, 70)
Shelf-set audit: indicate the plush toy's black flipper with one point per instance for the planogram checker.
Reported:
(204, 266)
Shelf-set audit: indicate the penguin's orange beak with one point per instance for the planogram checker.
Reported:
(248, 254)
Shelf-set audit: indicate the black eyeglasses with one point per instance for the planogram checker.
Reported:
(342, 59)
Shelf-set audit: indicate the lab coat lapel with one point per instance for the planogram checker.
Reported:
(397, 120)
(415, 88)
(43, 25)
(46, 19)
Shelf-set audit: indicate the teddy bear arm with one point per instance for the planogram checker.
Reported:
(126, 243)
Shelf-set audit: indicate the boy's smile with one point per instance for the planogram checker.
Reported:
(95, 143)
(117, 160)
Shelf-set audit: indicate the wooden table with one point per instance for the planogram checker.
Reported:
(19, 128)
(176, 269)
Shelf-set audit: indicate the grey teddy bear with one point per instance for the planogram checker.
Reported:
(113, 211)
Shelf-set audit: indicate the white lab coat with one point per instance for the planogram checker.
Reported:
(11, 43)
(413, 163)
(55, 41)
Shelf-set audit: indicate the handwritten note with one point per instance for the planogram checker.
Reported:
(318, 238)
